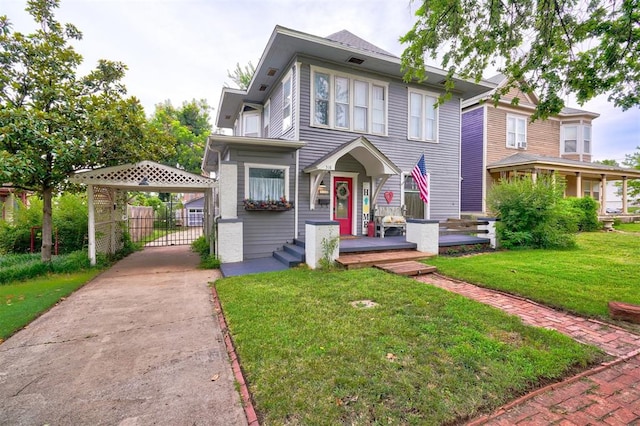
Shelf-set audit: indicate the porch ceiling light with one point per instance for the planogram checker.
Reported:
(144, 182)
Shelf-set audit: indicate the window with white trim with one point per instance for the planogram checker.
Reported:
(575, 139)
(346, 102)
(264, 182)
(286, 102)
(423, 116)
(411, 198)
(266, 119)
(516, 131)
(251, 124)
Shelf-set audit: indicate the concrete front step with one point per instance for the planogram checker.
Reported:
(365, 260)
(288, 259)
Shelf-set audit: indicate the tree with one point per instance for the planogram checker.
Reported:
(242, 77)
(186, 129)
(548, 47)
(633, 161)
(54, 122)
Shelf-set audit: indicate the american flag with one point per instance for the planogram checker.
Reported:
(419, 174)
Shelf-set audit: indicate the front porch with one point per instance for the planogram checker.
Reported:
(351, 245)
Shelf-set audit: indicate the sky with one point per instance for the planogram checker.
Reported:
(180, 50)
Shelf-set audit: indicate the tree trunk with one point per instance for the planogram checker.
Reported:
(47, 225)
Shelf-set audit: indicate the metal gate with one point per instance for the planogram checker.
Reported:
(165, 226)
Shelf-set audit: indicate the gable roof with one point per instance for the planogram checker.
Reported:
(285, 44)
(501, 79)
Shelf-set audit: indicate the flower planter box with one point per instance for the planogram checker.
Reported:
(267, 206)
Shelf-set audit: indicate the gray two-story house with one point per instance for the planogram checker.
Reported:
(328, 130)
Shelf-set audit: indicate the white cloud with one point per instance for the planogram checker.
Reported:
(182, 49)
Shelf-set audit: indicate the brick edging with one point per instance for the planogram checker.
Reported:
(247, 403)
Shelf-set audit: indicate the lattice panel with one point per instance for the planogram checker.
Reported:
(110, 207)
(148, 172)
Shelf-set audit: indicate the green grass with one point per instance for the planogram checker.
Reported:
(422, 356)
(21, 303)
(604, 267)
(628, 227)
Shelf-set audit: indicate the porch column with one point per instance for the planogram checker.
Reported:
(579, 184)
(603, 194)
(322, 242)
(230, 240)
(92, 225)
(228, 190)
(624, 195)
(425, 234)
(534, 175)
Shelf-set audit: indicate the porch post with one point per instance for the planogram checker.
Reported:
(624, 195)
(579, 184)
(603, 194)
(92, 225)
(534, 175)
(322, 242)
(228, 190)
(425, 234)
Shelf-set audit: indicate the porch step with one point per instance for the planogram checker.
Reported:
(291, 255)
(408, 268)
(365, 260)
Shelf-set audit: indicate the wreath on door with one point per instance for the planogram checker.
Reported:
(342, 192)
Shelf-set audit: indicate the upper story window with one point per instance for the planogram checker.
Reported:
(516, 131)
(286, 102)
(348, 103)
(266, 119)
(576, 139)
(251, 121)
(423, 116)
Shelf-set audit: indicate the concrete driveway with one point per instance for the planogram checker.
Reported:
(138, 345)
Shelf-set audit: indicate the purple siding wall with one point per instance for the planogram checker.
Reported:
(471, 161)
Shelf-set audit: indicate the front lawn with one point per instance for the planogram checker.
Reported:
(604, 267)
(628, 227)
(22, 302)
(313, 353)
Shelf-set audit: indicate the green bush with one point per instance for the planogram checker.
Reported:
(71, 220)
(207, 261)
(20, 267)
(586, 211)
(531, 213)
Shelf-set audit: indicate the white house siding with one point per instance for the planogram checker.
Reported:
(442, 158)
(264, 231)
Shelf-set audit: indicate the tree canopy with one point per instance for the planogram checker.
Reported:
(242, 76)
(549, 48)
(186, 129)
(54, 122)
(633, 161)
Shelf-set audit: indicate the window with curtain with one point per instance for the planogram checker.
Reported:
(266, 184)
(571, 139)
(412, 200)
(342, 103)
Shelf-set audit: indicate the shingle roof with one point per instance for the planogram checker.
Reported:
(523, 157)
(352, 40)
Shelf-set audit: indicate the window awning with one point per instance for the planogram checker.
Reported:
(376, 164)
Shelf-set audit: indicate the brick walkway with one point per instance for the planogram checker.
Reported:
(607, 395)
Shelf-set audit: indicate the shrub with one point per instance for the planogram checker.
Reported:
(586, 211)
(207, 261)
(70, 219)
(531, 213)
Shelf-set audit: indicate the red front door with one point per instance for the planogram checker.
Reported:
(342, 204)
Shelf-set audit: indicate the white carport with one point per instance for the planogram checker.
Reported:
(107, 198)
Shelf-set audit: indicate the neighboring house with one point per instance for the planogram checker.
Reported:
(194, 211)
(9, 198)
(326, 130)
(500, 141)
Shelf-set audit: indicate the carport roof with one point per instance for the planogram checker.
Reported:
(145, 176)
